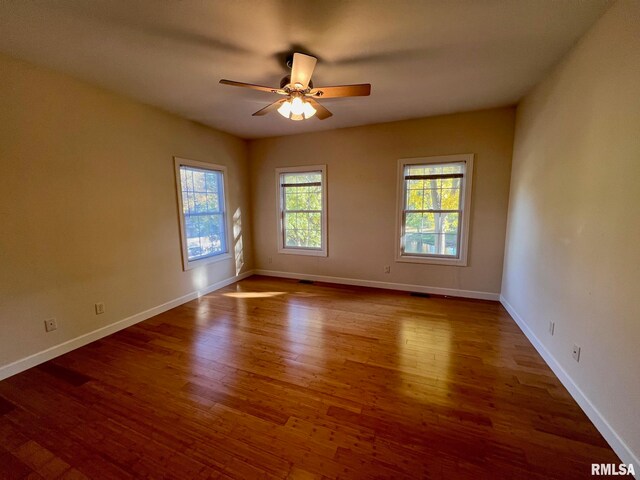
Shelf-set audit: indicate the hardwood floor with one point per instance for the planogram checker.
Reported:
(271, 378)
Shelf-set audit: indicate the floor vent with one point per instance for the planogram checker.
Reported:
(306, 282)
(421, 295)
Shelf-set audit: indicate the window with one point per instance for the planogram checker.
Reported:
(434, 204)
(302, 218)
(201, 204)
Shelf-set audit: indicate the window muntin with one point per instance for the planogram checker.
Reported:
(203, 219)
(302, 219)
(434, 207)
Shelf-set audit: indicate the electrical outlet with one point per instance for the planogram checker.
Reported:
(576, 353)
(50, 325)
(99, 308)
(552, 328)
(387, 269)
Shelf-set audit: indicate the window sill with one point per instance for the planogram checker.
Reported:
(303, 251)
(206, 261)
(454, 262)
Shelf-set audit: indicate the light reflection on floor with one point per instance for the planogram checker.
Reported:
(304, 331)
(301, 321)
(412, 355)
(253, 294)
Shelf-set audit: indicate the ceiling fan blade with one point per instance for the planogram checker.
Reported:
(269, 108)
(302, 69)
(321, 112)
(252, 86)
(360, 90)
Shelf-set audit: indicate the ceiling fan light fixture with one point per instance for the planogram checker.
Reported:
(299, 102)
(296, 109)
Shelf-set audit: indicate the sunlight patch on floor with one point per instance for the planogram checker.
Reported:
(253, 294)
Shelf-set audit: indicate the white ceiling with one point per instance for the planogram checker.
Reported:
(422, 58)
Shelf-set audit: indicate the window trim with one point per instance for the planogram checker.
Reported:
(190, 264)
(462, 259)
(322, 252)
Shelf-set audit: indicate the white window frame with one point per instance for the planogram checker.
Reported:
(321, 252)
(190, 264)
(465, 218)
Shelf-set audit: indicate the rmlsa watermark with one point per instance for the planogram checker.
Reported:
(612, 469)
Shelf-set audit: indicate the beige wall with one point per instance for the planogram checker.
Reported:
(362, 186)
(88, 207)
(574, 220)
(88, 210)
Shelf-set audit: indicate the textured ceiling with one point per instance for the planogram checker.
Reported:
(422, 57)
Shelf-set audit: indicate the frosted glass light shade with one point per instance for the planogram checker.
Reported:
(309, 111)
(297, 106)
(285, 109)
(296, 109)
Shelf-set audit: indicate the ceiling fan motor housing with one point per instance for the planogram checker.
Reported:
(286, 80)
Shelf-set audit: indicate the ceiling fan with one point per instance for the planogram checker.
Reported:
(299, 102)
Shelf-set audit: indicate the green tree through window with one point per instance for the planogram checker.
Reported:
(301, 197)
(203, 212)
(302, 216)
(432, 209)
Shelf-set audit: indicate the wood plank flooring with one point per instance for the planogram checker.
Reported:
(270, 378)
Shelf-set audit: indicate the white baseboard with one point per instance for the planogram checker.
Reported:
(452, 292)
(65, 347)
(617, 444)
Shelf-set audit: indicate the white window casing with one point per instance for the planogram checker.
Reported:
(294, 185)
(205, 229)
(433, 209)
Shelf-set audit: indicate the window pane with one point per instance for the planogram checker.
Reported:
(203, 210)
(303, 198)
(432, 208)
(302, 209)
(306, 177)
(420, 222)
(188, 202)
(448, 194)
(433, 193)
(205, 235)
(212, 202)
(303, 229)
(200, 202)
(415, 195)
(431, 233)
(198, 177)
